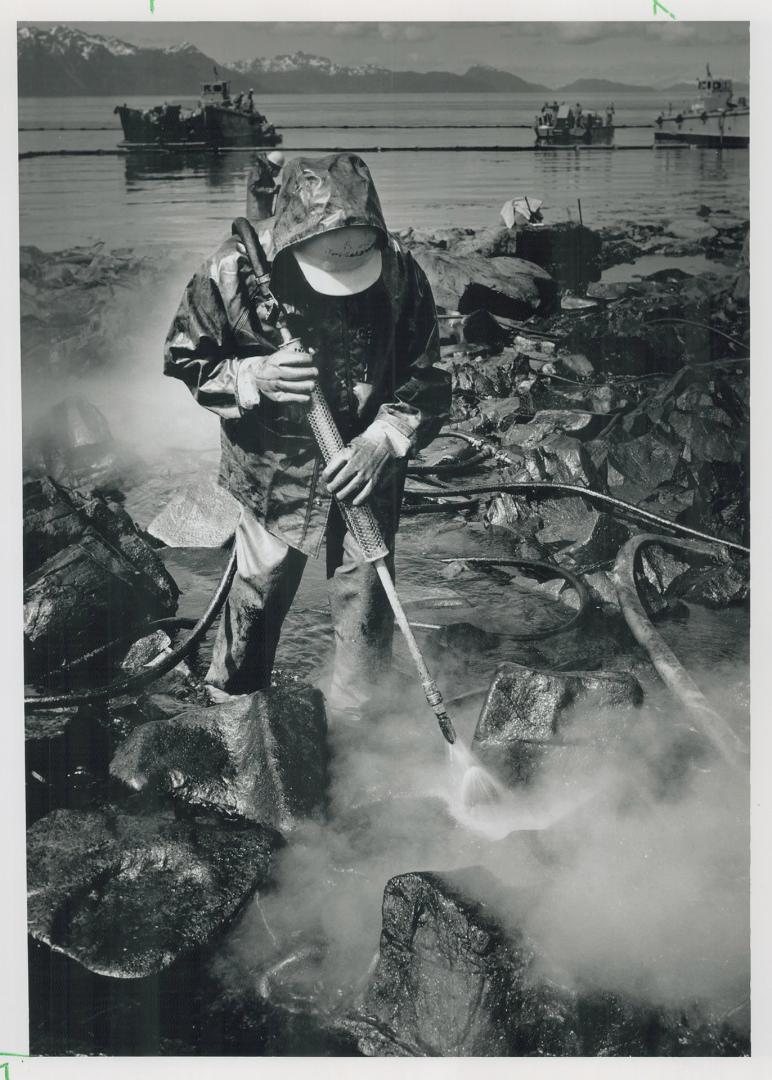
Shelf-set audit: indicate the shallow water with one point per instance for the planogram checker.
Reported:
(650, 264)
(188, 201)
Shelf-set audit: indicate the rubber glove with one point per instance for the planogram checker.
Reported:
(285, 375)
(352, 474)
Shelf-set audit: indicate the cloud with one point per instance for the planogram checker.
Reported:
(353, 30)
(682, 33)
(588, 33)
(406, 31)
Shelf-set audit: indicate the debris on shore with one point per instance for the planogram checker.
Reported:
(634, 387)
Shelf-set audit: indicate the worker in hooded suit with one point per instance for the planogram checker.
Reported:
(364, 312)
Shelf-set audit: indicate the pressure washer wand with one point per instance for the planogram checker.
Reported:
(360, 520)
(361, 523)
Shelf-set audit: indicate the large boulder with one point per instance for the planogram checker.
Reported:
(261, 756)
(455, 978)
(449, 981)
(90, 576)
(513, 288)
(533, 717)
(126, 896)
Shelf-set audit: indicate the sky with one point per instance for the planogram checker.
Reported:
(647, 53)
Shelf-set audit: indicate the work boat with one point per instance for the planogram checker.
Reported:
(218, 120)
(570, 126)
(714, 119)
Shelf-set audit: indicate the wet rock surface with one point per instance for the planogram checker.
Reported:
(451, 980)
(126, 895)
(154, 814)
(503, 285)
(89, 574)
(261, 757)
(530, 716)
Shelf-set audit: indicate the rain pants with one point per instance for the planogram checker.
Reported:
(376, 352)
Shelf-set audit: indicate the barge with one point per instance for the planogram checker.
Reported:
(218, 120)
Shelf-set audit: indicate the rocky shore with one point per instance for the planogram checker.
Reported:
(165, 831)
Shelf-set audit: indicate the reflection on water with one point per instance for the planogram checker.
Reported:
(171, 166)
(173, 198)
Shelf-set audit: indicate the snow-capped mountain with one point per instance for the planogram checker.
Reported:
(66, 41)
(304, 62)
(66, 61)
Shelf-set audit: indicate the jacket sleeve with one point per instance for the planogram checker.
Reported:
(201, 347)
(422, 390)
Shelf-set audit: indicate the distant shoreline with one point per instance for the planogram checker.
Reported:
(456, 92)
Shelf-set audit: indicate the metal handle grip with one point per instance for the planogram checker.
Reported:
(360, 520)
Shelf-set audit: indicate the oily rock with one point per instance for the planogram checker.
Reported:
(260, 756)
(127, 895)
(528, 715)
(513, 288)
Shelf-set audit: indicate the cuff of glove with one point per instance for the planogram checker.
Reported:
(247, 394)
(399, 444)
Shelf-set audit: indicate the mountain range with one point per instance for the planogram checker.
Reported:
(64, 61)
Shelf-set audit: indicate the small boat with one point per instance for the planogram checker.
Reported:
(218, 120)
(714, 119)
(570, 126)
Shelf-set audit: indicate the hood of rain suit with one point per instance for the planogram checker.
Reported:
(377, 352)
(321, 194)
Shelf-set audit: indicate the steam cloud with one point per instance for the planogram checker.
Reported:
(645, 893)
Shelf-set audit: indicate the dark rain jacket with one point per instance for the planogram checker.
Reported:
(376, 352)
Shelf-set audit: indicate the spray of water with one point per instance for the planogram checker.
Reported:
(478, 787)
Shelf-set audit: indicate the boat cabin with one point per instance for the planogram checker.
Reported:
(714, 93)
(215, 91)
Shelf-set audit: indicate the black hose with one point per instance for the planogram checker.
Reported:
(549, 570)
(700, 326)
(575, 489)
(447, 466)
(174, 622)
(142, 678)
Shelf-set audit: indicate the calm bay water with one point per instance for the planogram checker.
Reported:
(188, 200)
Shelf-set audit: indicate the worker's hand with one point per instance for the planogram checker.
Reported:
(353, 472)
(285, 375)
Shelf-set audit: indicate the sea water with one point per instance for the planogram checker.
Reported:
(188, 200)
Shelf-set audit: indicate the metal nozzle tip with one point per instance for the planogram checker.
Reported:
(446, 727)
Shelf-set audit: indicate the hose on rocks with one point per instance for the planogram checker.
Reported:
(484, 450)
(142, 678)
(512, 487)
(672, 672)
